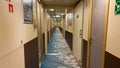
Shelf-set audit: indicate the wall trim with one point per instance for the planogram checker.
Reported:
(22, 45)
(111, 61)
(29, 40)
(105, 31)
(89, 33)
(11, 51)
(112, 54)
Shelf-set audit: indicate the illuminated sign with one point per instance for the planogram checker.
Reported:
(117, 7)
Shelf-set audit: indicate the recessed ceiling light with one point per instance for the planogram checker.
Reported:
(27, 1)
(51, 9)
(58, 16)
(62, 14)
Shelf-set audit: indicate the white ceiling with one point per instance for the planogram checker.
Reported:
(59, 6)
(59, 3)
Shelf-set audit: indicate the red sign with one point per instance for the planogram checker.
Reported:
(10, 6)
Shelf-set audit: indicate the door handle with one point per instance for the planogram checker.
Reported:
(92, 38)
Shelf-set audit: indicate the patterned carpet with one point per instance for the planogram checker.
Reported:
(59, 54)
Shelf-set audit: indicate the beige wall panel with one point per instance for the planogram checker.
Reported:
(11, 26)
(69, 21)
(29, 32)
(113, 35)
(12, 32)
(14, 59)
(86, 19)
(42, 20)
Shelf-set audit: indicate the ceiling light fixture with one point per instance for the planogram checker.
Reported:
(58, 16)
(51, 9)
(62, 14)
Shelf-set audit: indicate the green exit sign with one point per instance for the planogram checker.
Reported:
(117, 7)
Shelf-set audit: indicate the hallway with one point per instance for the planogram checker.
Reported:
(60, 34)
(59, 54)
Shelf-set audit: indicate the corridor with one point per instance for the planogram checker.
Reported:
(60, 34)
(59, 54)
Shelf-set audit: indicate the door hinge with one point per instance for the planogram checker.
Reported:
(81, 33)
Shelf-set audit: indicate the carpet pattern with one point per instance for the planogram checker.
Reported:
(59, 54)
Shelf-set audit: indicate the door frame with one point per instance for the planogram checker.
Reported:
(105, 33)
(89, 33)
(38, 13)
